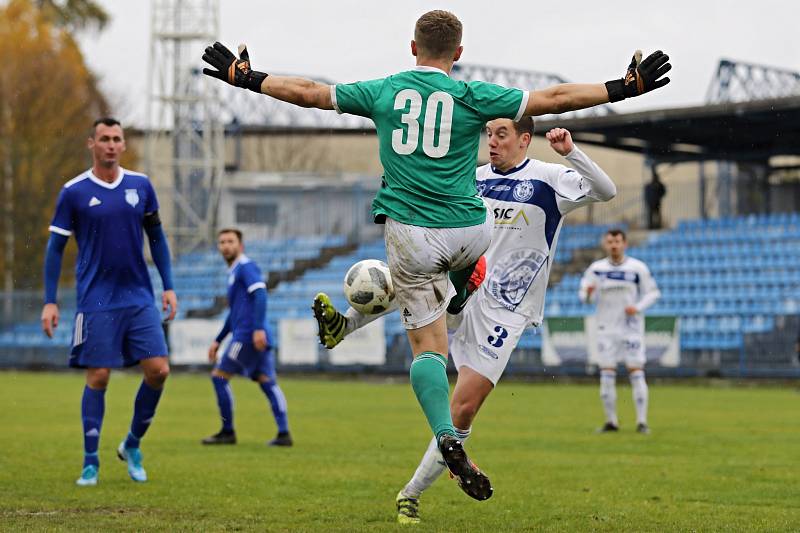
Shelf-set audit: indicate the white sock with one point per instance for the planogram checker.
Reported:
(640, 395)
(355, 320)
(430, 468)
(608, 394)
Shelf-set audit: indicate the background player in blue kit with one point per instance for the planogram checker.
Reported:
(109, 209)
(250, 352)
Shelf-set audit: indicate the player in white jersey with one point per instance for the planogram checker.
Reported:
(529, 199)
(623, 289)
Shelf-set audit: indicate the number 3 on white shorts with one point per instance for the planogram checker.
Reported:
(497, 342)
(413, 100)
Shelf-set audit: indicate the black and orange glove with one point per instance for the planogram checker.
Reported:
(229, 69)
(641, 76)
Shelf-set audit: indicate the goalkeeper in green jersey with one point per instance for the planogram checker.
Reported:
(436, 225)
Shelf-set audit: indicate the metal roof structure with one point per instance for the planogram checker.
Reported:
(753, 113)
(732, 131)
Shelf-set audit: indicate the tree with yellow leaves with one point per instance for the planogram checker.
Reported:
(48, 101)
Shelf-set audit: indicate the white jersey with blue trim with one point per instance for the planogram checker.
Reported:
(617, 286)
(529, 203)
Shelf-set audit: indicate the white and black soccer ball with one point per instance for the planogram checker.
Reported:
(368, 286)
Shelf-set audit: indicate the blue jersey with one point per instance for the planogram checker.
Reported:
(106, 219)
(244, 277)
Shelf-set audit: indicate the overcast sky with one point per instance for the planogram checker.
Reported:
(581, 40)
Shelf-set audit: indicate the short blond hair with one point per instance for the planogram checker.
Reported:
(438, 34)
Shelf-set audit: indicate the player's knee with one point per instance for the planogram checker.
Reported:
(635, 374)
(97, 378)
(263, 378)
(157, 375)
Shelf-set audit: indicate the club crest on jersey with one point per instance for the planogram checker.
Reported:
(523, 191)
(132, 197)
(513, 275)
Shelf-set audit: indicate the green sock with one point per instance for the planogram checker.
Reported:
(459, 280)
(429, 381)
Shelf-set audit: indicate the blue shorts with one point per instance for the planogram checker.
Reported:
(117, 338)
(243, 358)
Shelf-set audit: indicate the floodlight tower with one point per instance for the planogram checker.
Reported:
(185, 137)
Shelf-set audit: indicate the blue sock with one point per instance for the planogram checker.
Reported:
(278, 403)
(144, 409)
(93, 406)
(225, 401)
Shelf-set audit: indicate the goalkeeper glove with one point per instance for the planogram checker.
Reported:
(237, 72)
(641, 76)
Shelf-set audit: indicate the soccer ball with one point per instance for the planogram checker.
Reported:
(368, 286)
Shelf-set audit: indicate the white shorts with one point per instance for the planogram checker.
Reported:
(616, 348)
(419, 260)
(486, 336)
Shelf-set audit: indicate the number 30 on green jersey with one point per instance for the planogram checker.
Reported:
(435, 134)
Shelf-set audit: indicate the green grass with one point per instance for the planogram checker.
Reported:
(719, 459)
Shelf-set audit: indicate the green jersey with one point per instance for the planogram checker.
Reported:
(429, 128)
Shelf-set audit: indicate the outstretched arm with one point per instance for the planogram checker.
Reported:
(238, 72)
(566, 97)
(298, 91)
(641, 77)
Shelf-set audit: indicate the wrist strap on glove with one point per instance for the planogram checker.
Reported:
(229, 69)
(641, 76)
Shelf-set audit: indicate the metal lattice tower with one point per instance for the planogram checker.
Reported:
(736, 81)
(185, 142)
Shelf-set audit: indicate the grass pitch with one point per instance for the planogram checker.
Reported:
(719, 459)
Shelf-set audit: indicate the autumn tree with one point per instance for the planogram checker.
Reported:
(73, 15)
(48, 101)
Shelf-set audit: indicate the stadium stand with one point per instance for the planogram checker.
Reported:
(729, 280)
(200, 279)
(726, 278)
(294, 299)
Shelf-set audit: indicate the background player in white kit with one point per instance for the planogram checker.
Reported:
(623, 289)
(529, 199)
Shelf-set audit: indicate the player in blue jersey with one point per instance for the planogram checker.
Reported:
(250, 351)
(109, 210)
